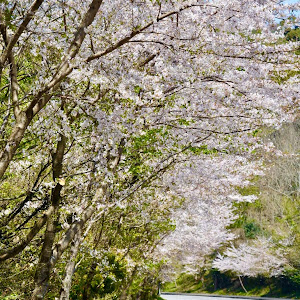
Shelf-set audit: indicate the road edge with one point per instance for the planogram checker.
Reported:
(223, 296)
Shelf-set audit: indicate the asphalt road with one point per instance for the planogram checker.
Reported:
(191, 297)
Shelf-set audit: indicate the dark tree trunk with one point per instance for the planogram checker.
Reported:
(43, 270)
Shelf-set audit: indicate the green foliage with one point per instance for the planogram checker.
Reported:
(10, 297)
(256, 31)
(109, 277)
(183, 283)
(203, 149)
(283, 76)
(214, 282)
(137, 89)
(130, 233)
(294, 275)
(16, 280)
(240, 69)
(145, 286)
(146, 143)
(251, 229)
(98, 277)
(292, 34)
(184, 122)
(250, 189)
(256, 132)
(143, 148)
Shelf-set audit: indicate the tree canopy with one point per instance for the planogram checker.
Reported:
(109, 108)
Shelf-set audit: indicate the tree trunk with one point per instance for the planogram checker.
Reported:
(13, 142)
(215, 282)
(70, 268)
(242, 285)
(128, 284)
(42, 98)
(42, 274)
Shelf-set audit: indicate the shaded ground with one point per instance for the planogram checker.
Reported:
(222, 284)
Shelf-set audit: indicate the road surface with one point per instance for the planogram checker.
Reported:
(192, 297)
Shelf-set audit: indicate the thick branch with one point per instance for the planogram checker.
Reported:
(33, 232)
(65, 68)
(30, 14)
(44, 95)
(13, 70)
(14, 86)
(28, 197)
(135, 32)
(13, 142)
(70, 267)
(63, 244)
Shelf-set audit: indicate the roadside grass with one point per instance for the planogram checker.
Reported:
(256, 287)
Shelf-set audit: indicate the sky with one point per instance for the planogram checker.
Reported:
(291, 2)
(296, 13)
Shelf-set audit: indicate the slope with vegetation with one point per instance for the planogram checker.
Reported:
(272, 217)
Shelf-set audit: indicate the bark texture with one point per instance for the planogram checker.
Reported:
(43, 269)
(70, 268)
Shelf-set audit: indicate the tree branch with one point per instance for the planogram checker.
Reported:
(30, 14)
(44, 95)
(6, 254)
(126, 39)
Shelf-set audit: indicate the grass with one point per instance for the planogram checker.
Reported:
(259, 287)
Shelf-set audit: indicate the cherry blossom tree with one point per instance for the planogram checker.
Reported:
(271, 251)
(100, 98)
(252, 260)
(210, 192)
